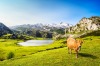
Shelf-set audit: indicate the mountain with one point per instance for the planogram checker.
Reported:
(4, 29)
(40, 26)
(59, 25)
(86, 24)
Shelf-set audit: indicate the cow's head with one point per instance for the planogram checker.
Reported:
(79, 42)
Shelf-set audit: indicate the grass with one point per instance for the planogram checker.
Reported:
(88, 56)
(9, 45)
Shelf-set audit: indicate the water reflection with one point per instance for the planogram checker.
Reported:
(36, 42)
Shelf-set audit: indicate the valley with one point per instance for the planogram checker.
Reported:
(55, 53)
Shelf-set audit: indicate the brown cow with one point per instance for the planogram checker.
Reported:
(74, 44)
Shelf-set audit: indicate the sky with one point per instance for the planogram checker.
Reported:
(18, 12)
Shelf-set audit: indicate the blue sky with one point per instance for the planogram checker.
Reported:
(17, 12)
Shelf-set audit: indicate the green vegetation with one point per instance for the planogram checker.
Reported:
(91, 33)
(10, 45)
(10, 55)
(55, 54)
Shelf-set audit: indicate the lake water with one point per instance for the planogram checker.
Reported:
(36, 42)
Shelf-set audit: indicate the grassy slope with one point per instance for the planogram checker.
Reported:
(88, 56)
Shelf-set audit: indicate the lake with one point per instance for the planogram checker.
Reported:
(36, 42)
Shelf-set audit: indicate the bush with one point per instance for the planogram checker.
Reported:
(2, 58)
(10, 55)
(7, 36)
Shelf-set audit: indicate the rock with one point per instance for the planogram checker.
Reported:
(86, 24)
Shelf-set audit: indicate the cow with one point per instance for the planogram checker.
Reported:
(74, 44)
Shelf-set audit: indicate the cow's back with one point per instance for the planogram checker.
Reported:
(71, 43)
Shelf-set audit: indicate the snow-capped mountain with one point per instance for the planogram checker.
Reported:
(61, 25)
(40, 26)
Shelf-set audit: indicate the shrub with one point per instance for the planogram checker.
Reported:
(2, 58)
(10, 55)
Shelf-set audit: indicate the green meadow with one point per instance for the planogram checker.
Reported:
(55, 54)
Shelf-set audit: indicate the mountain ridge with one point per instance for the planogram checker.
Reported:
(40, 26)
(85, 25)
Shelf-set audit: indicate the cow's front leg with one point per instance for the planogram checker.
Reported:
(76, 53)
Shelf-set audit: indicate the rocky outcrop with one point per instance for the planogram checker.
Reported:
(4, 29)
(86, 24)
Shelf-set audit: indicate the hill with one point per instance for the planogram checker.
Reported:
(4, 29)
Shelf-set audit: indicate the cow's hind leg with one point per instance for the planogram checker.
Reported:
(69, 51)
